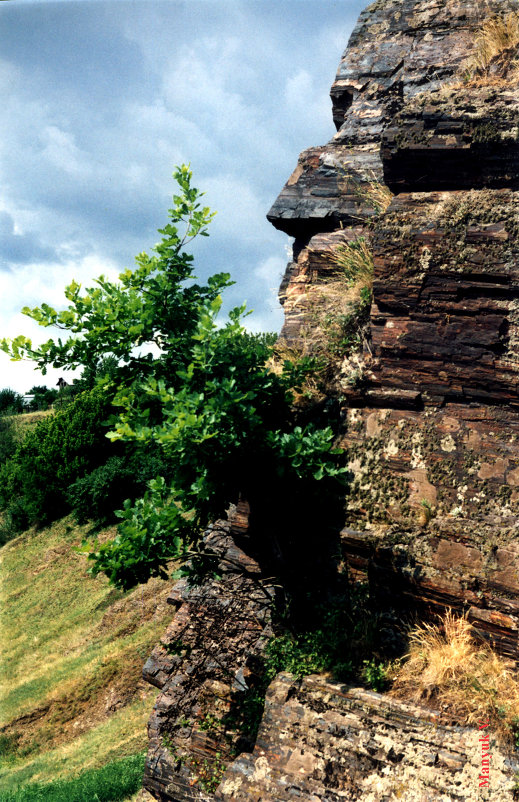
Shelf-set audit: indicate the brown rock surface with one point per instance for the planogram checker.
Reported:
(307, 290)
(454, 138)
(431, 426)
(459, 459)
(203, 666)
(445, 295)
(323, 741)
(398, 49)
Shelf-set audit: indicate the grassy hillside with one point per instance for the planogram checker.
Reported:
(73, 648)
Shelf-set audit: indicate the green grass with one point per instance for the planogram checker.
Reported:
(111, 783)
(71, 644)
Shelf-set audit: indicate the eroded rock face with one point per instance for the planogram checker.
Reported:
(431, 429)
(205, 664)
(401, 54)
(398, 49)
(310, 282)
(454, 138)
(323, 741)
(433, 513)
(432, 421)
(446, 296)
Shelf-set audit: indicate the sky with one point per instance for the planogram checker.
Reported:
(100, 99)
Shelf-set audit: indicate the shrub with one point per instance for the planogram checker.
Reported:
(375, 675)
(99, 493)
(201, 392)
(10, 401)
(58, 451)
(8, 440)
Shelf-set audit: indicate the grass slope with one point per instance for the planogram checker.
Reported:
(73, 647)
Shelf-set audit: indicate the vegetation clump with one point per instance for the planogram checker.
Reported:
(35, 480)
(495, 48)
(113, 782)
(447, 665)
(356, 260)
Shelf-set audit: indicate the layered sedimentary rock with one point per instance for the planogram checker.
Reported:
(431, 427)
(433, 512)
(204, 667)
(446, 295)
(398, 47)
(432, 419)
(459, 137)
(323, 741)
(307, 288)
(398, 50)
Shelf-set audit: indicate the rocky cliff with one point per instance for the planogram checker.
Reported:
(431, 417)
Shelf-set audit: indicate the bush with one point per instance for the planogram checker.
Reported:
(199, 391)
(10, 401)
(58, 451)
(8, 441)
(99, 493)
(111, 783)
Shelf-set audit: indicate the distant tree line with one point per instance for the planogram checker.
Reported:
(40, 397)
(37, 398)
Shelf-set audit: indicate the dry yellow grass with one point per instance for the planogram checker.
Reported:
(497, 37)
(449, 666)
(375, 194)
(356, 260)
(369, 190)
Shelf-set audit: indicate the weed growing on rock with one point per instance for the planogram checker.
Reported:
(375, 194)
(369, 191)
(375, 675)
(448, 666)
(495, 45)
(356, 260)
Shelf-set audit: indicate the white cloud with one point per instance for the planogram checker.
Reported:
(61, 152)
(271, 270)
(31, 285)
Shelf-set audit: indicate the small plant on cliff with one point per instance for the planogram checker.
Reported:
(356, 260)
(447, 664)
(375, 675)
(374, 193)
(369, 191)
(495, 43)
(200, 392)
